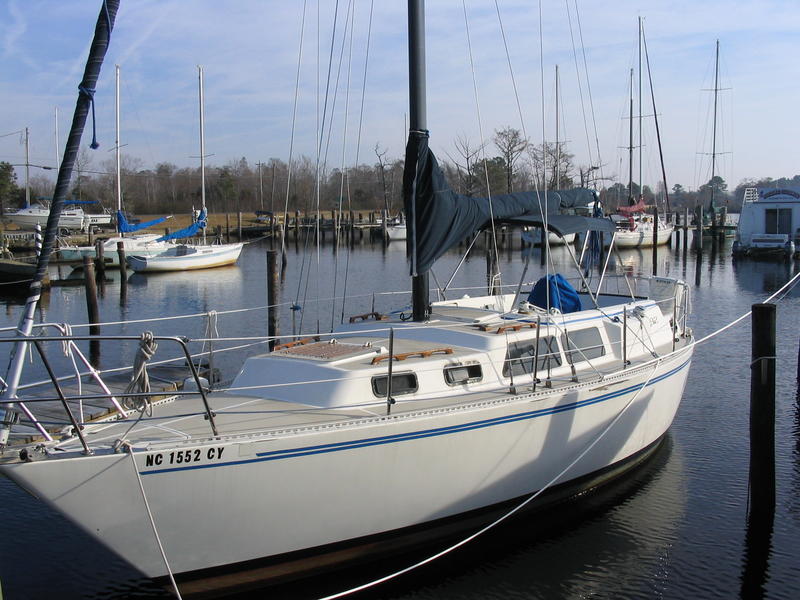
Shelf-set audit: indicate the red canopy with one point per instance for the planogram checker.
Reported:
(636, 208)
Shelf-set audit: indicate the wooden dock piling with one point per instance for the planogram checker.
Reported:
(90, 284)
(762, 411)
(100, 262)
(272, 297)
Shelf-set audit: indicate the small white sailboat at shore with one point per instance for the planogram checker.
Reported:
(383, 435)
(189, 257)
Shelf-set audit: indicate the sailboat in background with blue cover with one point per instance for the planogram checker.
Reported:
(187, 257)
(141, 244)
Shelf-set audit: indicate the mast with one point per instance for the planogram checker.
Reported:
(117, 142)
(55, 118)
(558, 148)
(202, 145)
(27, 171)
(655, 120)
(417, 122)
(641, 187)
(630, 149)
(714, 126)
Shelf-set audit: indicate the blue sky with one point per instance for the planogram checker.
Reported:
(249, 51)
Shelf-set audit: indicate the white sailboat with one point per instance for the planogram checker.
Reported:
(635, 227)
(144, 244)
(188, 257)
(33, 214)
(382, 435)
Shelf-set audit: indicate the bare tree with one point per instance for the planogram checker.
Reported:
(382, 162)
(511, 145)
(543, 158)
(466, 169)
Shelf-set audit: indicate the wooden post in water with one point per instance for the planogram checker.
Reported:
(90, 235)
(762, 412)
(101, 259)
(698, 233)
(655, 240)
(272, 297)
(228, 228)
(123, 274)
(239, 225)
(296, 225)
(685, 229)
(123, 265)
(91, 295)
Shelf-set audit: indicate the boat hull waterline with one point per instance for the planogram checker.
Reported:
(201, 257)
(300, 489)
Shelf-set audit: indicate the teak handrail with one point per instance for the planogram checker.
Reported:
(302, 342)
(419, 353)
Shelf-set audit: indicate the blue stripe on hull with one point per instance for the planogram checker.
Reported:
(404, 437)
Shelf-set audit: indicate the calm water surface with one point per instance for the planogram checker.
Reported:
(675, 529)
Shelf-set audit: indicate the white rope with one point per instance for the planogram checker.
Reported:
(140, 380)
(152, 521)
(785, 288)
(516, 509)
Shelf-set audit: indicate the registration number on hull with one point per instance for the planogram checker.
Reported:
(180, 457)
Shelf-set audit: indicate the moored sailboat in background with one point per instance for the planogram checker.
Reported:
(188, 257)
(143, 243)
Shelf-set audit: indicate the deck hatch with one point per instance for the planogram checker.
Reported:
(326, 351)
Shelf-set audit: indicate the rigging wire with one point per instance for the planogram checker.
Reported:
(580, 84)
(482, 142)
(291, 137)
(343, 170)
(589, 91)
(358, 145)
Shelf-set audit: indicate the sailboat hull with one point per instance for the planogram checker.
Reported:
(221, 502)
(642, 239)
(187, 258)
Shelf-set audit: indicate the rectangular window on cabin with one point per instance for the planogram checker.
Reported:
(778, 220)
(582, 344)
(520, 356)
(402, 383)
(461, 374)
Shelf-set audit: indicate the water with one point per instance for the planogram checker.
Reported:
(675, 529)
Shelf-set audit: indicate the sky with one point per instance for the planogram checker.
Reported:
(259, 104)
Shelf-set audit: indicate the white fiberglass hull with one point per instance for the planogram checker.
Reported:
(227, 500)
(143, 245)
(28, 218)
(642, 238)
(396, 232)
(195, 257)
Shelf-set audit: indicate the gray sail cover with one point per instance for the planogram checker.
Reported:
(438, 218)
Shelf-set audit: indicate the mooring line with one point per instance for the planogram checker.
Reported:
(152, 522)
